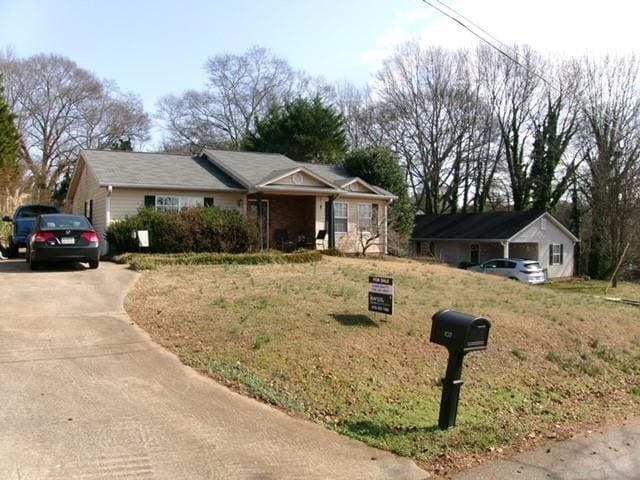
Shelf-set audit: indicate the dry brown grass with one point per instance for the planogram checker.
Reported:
(300, 337)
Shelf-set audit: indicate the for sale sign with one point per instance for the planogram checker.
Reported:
(381, 295)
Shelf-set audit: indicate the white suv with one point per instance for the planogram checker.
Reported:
(526, 271)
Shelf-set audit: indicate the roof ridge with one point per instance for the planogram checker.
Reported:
(136, 153)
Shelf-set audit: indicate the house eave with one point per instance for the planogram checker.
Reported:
(295, 190)
(165, 186)
(477, 240)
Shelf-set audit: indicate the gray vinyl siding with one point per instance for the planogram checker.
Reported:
(544, 238)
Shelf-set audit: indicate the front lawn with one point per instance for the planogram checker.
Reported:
(299, 336)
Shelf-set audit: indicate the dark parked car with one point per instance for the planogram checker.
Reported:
(63, 237)
(23, 219)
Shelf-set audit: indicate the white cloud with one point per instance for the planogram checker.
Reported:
(557, 27)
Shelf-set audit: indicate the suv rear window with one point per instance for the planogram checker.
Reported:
(532, 265)
(71, 222)
(34, 211)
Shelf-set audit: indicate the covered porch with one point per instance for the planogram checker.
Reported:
(474, 252)
(289, 222)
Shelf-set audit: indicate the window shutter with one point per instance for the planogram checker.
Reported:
(561, 253)
(91, 212)
(150, 201)
(86, 209)
(208, 201)
(551, 254)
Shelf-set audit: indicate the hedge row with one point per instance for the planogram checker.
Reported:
(203, 229)
(141, 261)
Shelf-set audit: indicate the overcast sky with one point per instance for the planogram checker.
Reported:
(157, 47)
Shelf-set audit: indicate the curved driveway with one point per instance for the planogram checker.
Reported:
(85, 394)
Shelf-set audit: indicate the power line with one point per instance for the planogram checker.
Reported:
(488, 42)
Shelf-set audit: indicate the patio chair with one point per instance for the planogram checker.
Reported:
(322, 234)
(282, 238)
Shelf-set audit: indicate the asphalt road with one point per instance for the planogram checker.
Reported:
(609, 454)
(85, 394)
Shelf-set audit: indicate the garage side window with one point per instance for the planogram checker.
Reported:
(340, 215)
(556, 254)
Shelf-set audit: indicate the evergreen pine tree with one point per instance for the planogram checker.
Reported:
(9, 146)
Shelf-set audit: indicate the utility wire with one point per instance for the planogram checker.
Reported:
(492, 44)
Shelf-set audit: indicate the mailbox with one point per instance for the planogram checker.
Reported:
(459, 332)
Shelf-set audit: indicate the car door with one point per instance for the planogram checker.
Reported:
(491, 267)
(509, 268)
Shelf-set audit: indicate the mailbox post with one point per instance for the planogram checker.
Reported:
(461, 334)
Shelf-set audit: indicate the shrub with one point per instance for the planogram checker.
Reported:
(204, 229)
(143, 261)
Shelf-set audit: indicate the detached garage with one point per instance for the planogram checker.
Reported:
(474, 238)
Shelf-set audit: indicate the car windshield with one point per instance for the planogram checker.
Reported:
(532, 265)
(60, 222)
(35, 210)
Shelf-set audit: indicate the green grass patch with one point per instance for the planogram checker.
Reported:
(141, 261)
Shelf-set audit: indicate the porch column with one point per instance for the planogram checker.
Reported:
(505, 249)
(331, 227)
(260, 219)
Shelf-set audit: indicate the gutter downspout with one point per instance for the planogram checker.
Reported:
(332, 224)
(108, 206)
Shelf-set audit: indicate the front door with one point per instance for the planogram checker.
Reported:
(263, 223)
(474, 254)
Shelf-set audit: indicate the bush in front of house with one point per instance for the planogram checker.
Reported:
(143, 261)
(203, 229)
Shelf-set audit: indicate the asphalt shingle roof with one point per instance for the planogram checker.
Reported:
(156, 170)
(473, 226)
(251, 166)
(213, 170)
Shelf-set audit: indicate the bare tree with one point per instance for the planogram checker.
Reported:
(610, 141)
(422, 91)
(240, 89)
(62, 108)
(512, 89)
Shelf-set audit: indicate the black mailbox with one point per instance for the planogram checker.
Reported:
(459, 332)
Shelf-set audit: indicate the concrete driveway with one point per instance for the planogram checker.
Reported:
(85, 394)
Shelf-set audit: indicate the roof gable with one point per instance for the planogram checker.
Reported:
(358, 185)
(299, 177)
(475, 226)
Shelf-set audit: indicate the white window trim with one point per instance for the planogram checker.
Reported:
(345, 218)
(557, 255)
(194, 201)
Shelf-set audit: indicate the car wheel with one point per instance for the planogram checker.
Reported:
(13, 249)
(34, 265)
(93, 264)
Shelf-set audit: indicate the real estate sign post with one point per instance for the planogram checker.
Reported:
(381, 294)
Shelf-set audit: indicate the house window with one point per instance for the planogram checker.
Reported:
(175, 204)
(368, 218)
(365, 213)
(340, 217)
(556, 254)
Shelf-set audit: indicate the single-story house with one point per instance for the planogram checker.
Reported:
(477, 237)
(293, 203)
